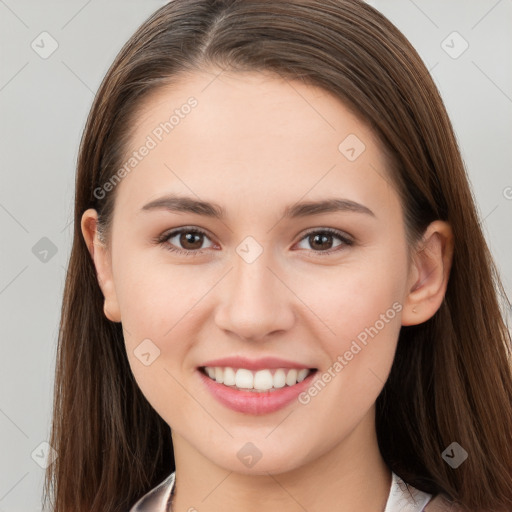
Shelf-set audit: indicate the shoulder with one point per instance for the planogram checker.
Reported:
(440, 503)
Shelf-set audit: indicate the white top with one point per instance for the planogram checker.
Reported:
(401, 498)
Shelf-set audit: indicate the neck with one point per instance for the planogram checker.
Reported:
(350, 476)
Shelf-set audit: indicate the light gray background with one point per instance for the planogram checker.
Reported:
(43, 107)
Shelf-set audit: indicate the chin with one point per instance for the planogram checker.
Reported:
(250, 460)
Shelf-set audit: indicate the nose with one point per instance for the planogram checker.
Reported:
(255, 301)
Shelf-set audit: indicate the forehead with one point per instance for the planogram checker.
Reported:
(256, 134)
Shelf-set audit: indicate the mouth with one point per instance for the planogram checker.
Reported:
(268, 380)
(256, 392)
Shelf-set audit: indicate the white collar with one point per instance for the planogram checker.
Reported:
(405, 498)
(402, 497)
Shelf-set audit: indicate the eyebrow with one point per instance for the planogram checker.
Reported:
(183, 204)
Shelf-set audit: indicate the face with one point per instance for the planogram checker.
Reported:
(260, 272)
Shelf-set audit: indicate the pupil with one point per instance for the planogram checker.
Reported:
(189, 239)
(321, 239)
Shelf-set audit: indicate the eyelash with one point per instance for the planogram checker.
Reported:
(164, 240)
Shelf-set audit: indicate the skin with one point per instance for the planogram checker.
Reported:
(256, 144)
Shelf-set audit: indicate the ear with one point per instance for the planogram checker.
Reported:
(429, 274)
(102, 259)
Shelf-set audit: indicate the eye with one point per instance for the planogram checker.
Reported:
(321, 240)
(190, 240)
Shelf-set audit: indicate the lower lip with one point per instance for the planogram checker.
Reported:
(251, 402)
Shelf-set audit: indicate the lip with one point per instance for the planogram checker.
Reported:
(255, 364)
(250, 402)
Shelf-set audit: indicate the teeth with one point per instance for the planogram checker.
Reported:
(302, 374)
(279, 379)
(229, 377)
(262, 380)
(291, 377)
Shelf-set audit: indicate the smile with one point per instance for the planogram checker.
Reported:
(255, 392)
(256, 381)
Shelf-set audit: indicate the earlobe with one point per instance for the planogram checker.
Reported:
(430, 273)
(101, 257)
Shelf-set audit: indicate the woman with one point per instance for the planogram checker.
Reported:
(279, 295)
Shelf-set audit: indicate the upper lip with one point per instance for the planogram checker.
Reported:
(255, 364)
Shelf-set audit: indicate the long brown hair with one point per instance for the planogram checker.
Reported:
(451, 379)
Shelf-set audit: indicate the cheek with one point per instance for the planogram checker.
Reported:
(154, 297)
(361, 304)
(356, 295)
(162, 307)
(159, 306)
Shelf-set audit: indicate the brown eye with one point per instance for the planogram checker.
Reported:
(184, 241)
(191, 240)
(322, 241)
